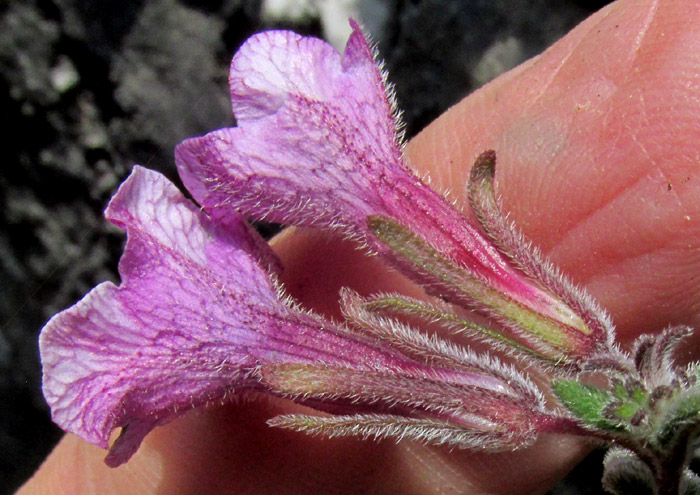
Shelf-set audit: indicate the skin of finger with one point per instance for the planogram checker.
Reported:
(624, 135)
(586, 155)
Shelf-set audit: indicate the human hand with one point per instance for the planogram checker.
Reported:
(597, 144)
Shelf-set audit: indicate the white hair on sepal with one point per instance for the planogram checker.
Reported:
(433, 349)
(653, 357)
(525, 256)
(624, 471)
(387, 426)
(442, 313)
(431, 391)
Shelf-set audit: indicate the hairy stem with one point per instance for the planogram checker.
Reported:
(668, 470)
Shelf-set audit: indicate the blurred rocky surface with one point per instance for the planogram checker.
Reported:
(88, 88)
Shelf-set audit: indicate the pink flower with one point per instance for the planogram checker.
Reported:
(194, 316)
(197, 318)
(317, 145)
(199, 315)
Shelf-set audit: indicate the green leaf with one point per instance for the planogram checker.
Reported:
(585, 402)
(625, 410)
(630, 397)
(630, 391)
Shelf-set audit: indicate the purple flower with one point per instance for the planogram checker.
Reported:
(317, 145)
(198, 318)
(195, 315)
(199, 315)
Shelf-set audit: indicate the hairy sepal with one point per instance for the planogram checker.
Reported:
(590, 320)
(624, 473)
(430, 349)
(423, 430)
(472, 401)
(444, 315)
(443, 277)
(653, 357)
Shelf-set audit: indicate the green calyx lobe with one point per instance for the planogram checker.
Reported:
(409, 307)
(586, 402)
(448, 279)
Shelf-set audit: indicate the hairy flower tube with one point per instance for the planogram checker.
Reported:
(200, 316)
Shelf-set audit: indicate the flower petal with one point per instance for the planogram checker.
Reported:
(316, 146)
(319, 149)
(195, 314)
(314, 131)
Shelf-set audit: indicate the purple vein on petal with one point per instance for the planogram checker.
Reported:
(317, 145)
(193, 317)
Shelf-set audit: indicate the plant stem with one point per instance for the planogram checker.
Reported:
(668, 470)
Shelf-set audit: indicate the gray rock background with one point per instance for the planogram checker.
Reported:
(88, 88)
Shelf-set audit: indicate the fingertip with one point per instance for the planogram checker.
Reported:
(76, 467)
(596, 143)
